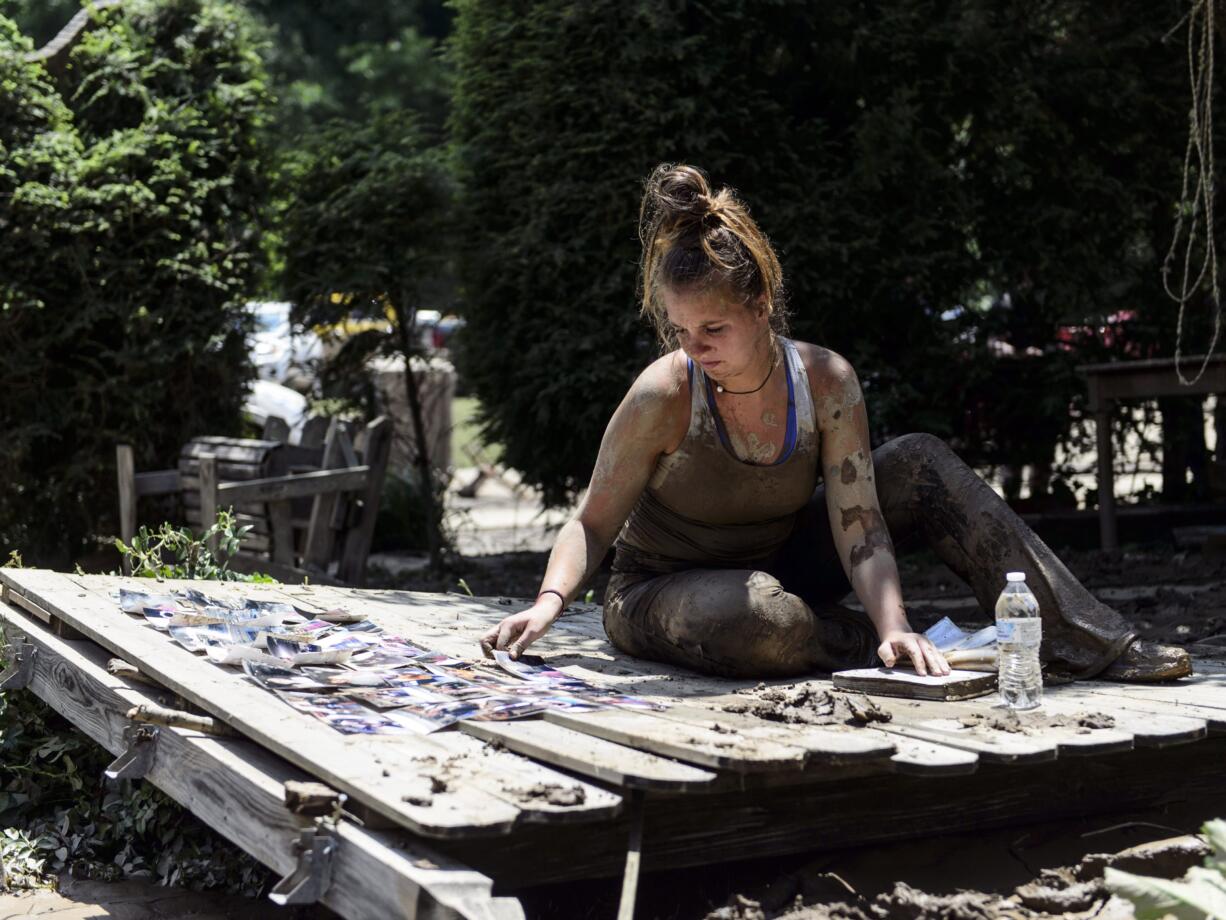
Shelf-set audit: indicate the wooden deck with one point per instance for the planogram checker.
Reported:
(452, 818)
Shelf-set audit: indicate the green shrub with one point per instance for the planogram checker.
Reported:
(907, 158)
(130, 201)
(58, 813)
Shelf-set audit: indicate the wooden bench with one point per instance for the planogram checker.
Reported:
(311, 506)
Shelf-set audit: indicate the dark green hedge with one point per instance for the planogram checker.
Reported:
(130, 201)
(907, 158)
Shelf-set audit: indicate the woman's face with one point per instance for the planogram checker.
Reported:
(718, 332)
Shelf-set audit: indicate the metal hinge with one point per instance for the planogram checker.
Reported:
(313, 874)
(137, 760)
(20, 672)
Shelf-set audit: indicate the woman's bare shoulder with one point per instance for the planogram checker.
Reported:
(665, 382)
(826, 367)
(659, 398)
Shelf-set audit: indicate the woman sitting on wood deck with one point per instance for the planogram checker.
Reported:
(730, 557)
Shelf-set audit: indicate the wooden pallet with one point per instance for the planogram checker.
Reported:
(704, 780)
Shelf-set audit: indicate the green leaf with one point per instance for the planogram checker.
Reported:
(1202, 895)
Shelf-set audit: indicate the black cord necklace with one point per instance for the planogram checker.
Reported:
(720, 388)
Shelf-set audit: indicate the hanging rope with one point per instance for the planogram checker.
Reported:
(1199, 206)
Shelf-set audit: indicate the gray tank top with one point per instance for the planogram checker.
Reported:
(705, 507)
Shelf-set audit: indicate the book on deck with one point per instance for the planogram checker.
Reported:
(956, 685)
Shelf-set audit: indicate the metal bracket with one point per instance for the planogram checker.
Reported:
(137, 760)
(313, 874)
(20, 672)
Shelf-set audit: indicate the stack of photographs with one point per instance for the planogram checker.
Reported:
(347, 673)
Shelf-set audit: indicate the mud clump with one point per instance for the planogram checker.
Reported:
(1084, 721)
(903, 903)
(806, 705)
(1052, 894)
(907, 903)
(552, 794)
(1008, 722)
(1025, 723)
(1169, 858)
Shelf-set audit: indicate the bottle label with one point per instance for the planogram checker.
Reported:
(1028, 631)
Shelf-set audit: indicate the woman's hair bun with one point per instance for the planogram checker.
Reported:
(677, 196)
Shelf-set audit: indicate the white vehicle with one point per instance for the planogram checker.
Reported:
(280, 354)
(267, 399)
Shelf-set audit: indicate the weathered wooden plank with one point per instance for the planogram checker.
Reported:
(822, 745)
(925, 758)
(387, 774)
(301, 485)
(30, 605)
(690, 743)
(208, 499)
(237, 788)
(542, 794)
(158, 482)
(1149, 729)
(320, 536)
(912, 756)
(376, 452)
(591, 756)
(503, 775)
(1123, 698)
(280, 515)
(245, 451)
(125, 474)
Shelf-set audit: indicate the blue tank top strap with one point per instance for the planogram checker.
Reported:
(791, 359)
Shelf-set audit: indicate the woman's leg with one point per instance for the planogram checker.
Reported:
(927, 493)
(729, 622)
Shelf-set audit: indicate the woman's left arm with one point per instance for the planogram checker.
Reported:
(860, 533)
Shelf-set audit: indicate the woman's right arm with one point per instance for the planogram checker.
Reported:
(650, 421)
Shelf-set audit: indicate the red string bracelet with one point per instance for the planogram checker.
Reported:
(561, 596)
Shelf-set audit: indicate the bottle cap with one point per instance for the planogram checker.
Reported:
(1015, 576)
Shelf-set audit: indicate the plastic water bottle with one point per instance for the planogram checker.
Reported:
(1019, 631)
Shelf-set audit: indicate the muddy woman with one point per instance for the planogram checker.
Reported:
(739, 489)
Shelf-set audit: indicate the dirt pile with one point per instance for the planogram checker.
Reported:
(903, 903)
(807, 705)
(1065, 892)
(1023, 723)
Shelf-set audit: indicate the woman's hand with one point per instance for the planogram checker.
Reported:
(516, 632)
(917, 647)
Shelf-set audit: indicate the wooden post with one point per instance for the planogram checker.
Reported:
(1106, 478)
(634, 854)
(319, 539)
(377, 449)
(208, 497)
(314, 431)
(125, 471)
(280, 517)
(276, 429)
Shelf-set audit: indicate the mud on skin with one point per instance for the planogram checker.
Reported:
(876, 535)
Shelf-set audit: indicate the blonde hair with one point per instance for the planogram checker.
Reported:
(693, 238)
